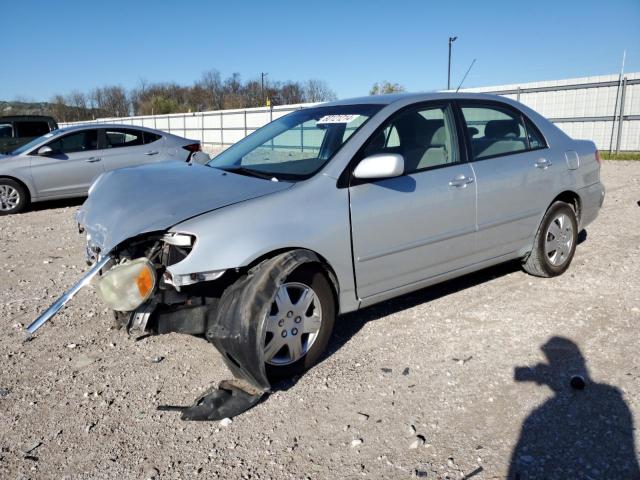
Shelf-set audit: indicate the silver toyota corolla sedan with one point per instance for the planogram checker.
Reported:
(328, 210)
(63, 163)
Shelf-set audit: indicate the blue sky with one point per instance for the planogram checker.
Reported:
(56, 47)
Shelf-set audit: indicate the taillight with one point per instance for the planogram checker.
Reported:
(598, 159)
(194, 147)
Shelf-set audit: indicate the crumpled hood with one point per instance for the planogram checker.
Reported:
(128, 202)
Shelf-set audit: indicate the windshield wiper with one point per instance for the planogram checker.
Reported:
(251, 173)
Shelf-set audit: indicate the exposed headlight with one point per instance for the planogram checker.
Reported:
(127, 286)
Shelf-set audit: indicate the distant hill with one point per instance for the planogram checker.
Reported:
(24, 108)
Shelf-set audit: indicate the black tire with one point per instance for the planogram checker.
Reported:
(23, 197)
(239, 327)
(538, 263)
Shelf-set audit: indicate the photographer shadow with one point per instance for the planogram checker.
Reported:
(585, 431)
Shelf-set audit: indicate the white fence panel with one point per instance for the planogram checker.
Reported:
(582, 107)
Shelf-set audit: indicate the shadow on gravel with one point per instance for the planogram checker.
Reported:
(50, 204)
(584, 431)
(349, 324)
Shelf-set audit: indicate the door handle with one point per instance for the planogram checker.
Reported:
(93, 159)
(152, 152)
(461, 181)
(543, 163)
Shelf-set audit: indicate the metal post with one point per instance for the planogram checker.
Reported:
(271, 120)
(621, 116)
(451, 40)
(615, 106)
(518, 95)
(245, 122)
(184, 125)
(221, 131)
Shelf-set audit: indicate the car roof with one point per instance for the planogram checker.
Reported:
(71, 128)
(9, 118)
(390, 98)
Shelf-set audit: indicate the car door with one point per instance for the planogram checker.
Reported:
(70, 167)
(421, 224)
(127, 147)
(514, 176)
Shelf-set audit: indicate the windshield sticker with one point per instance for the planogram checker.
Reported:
(336, 119)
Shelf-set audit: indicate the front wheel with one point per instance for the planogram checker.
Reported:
(555, 242)
(299, 323)
(13, 197)
(275, 321)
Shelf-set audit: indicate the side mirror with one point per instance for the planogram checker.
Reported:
(45, 151)
(381, 165)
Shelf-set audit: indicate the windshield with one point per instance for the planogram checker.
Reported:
(28, 146)
(297, 145)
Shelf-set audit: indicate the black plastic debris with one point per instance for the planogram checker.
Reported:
(228, 400)
(577, 382)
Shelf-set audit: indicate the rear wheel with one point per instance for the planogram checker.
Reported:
(13, 197)
(555, 242)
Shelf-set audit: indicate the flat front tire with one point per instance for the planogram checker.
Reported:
(555, 242)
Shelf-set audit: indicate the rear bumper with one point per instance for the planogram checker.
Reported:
(592, 198)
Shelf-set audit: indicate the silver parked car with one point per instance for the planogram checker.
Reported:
(328, 210)
(63, 163)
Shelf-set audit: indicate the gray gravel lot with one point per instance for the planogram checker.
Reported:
(422, 386)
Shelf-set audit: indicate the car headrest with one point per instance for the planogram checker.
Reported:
(439, 137)
(502, 129)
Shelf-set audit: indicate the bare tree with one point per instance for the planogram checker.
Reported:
(318, 91)
(112, 101)
(211, 83)
(385, 87)
(59, 109)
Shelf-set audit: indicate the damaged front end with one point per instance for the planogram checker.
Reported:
(137, 282)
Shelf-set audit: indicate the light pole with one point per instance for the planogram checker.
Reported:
(451, 40)
(262, 75)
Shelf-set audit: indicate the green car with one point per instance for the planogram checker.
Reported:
(17, 130)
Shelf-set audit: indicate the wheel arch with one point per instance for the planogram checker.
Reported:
(21, 182)
(572, 198)
(322, 263)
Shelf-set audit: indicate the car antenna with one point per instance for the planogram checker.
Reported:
(465, 75)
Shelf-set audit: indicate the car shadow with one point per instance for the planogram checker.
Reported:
(51, 204)
(584, 430)
(350, 324)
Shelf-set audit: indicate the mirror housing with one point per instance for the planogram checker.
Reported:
(45, 151)
(380, 165)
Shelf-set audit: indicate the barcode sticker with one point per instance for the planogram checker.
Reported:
(336, 119)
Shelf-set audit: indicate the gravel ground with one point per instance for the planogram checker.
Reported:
(422, 386)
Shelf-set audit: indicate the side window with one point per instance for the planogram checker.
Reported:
(150, 137)
(494, 131)
(424, 137)
(535, 140)
(123, 137)
(6, 130)
(31, 129)
(82, 141)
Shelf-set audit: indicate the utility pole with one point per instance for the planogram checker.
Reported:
(451, 40)
(262, 75)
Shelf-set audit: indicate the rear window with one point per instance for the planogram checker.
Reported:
(123, 137)
(151, 137)
(31, 129)
(6, 130)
